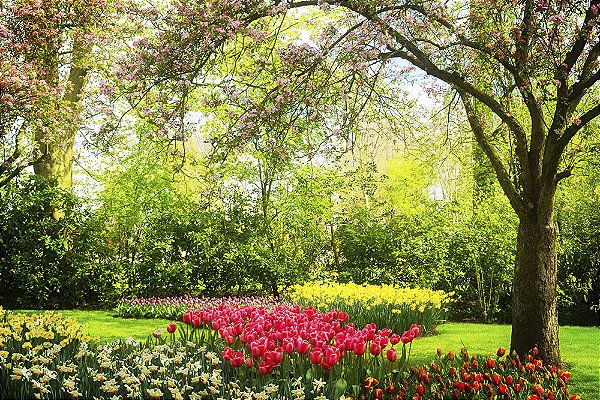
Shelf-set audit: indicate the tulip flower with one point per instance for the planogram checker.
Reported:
(375, 349)
(392, 355)
(303, 347)
(171, 328)
(237, 360)
(415, 329)
(316, 355)
(360, 348)
(227, 353)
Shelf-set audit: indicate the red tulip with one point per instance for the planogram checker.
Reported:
(496, 379)
(378, 394)
(503, 389)
(407, 337)
(392, 355)
(342, 316)
(303, 347)
(227, 353)
(187, 317)
(360, 348)
(257, 351)
(237, 360)
(415, 329)
(316, 355)
(395, 339)
(501, 351)
(375, 348)
(383, 341)
(264, 368)
(517, 387)
(171, 328)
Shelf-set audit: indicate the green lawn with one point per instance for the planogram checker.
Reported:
(580, 346)
(108, 328)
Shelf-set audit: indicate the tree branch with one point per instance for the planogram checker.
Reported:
(503, 177)
(572, 130)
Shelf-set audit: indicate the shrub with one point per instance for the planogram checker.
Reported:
(45, 262)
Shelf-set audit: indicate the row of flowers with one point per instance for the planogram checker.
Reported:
(174, 307)
(384, 305)
(217, 353)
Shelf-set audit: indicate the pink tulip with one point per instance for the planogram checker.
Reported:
(316, 355)
(303, 347)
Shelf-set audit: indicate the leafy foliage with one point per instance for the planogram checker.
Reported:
(47, 262)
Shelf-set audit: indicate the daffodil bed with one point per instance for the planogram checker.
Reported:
(385, 305)
(249, 352)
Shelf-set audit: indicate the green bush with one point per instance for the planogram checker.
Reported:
(45, 262)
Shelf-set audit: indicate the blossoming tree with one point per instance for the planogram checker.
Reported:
(45, 49)
(527, 75)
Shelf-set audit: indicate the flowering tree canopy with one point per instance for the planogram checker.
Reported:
(526, 73)
(45, 49)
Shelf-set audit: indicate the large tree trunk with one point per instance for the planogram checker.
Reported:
(535, 317)
(57, 160)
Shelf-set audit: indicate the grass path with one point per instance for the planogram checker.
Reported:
(580, 346)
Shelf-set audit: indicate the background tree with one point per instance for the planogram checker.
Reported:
(46, 51)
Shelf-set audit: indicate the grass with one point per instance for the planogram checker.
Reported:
(108, 328)
(580, 346)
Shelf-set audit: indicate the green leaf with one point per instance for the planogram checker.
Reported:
(340, 388)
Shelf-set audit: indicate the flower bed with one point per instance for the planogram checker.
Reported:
(289, 340)
(249, 352)
(465, 377)
(174, 307)
(384, 305)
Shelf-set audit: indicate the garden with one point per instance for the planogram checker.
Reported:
(260, 348)
(299, 199)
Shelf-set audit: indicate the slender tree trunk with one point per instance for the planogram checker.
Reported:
(535, 316)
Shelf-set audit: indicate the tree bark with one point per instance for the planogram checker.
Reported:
(56, 159)
(535, 316)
